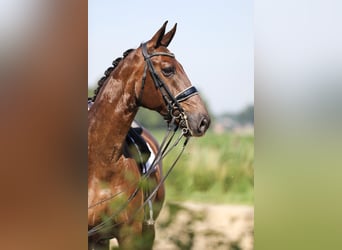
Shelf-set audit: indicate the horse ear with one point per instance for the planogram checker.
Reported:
(157, 38)
(168, 36)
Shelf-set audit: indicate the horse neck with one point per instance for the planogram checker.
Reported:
(110, 118)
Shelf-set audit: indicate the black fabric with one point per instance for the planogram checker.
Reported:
(136, 148)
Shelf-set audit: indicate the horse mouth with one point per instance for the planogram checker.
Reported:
(195, 127)
(191, 125)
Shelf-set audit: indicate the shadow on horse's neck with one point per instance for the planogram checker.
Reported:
(110, 118)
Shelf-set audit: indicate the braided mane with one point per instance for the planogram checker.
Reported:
(107, 73)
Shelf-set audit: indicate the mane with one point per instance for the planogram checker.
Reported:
(107, 73)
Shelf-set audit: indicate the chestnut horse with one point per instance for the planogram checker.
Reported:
(149, 76)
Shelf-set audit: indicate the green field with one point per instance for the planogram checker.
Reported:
(216, 168)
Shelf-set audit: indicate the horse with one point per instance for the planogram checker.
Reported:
(151, 77)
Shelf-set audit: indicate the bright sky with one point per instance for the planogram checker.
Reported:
(214, 43)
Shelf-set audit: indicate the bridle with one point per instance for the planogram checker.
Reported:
(175, 110)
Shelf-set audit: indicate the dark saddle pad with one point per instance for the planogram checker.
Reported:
(136, 147)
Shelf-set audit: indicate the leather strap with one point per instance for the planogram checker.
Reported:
(186, 93)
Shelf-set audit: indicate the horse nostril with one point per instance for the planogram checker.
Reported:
(203, 126)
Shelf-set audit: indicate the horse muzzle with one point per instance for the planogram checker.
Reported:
(196, 124)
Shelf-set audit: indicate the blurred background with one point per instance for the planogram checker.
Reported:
(215, 46)
(297, 78)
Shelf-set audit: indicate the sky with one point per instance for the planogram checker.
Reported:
(214, 43)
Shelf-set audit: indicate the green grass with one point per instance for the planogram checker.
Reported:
(216, 168)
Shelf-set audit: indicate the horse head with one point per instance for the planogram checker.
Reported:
(166, 88)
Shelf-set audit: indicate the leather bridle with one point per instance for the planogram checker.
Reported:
(175, 110)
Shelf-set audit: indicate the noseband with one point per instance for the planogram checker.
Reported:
(175, 110)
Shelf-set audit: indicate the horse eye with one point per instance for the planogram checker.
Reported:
(169, 71)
